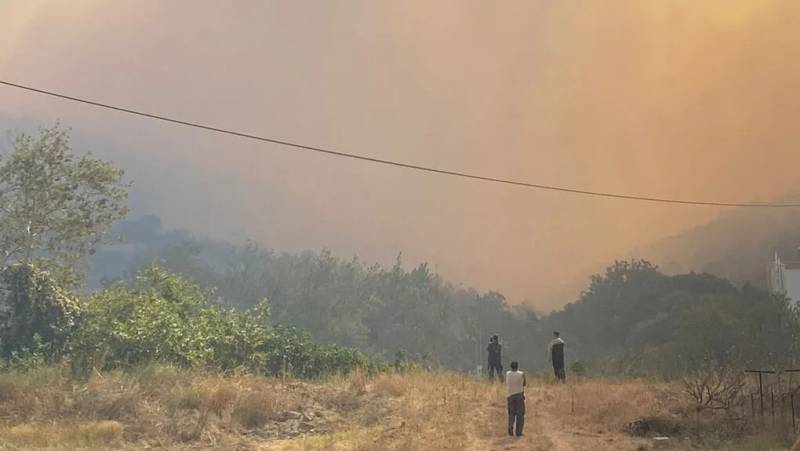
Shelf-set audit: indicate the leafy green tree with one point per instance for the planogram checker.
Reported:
(639, 320)
(56, 206)
(35, 314)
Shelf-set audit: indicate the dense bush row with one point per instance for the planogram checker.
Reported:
(382, 311)
(632, 319)
(160, 317)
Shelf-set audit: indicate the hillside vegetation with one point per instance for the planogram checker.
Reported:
(55, 208)
(631, 320)
(737, 245)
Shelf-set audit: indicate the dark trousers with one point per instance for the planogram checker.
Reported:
(516, 413)
(496, 367)
(561, 373)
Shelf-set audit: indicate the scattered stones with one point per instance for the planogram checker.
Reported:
(294, 423)
(661, 442)
(651, 426)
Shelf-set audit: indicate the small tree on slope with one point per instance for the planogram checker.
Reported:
(55, 206)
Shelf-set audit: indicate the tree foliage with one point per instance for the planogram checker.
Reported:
(378, 310)
(35, 314)
(648, 322)
(54, 205)
(163, 317)
(632, 319)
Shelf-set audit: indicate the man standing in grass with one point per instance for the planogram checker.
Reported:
(495, 357)
(515, 390)
(555, 352)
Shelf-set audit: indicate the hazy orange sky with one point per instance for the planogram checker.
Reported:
(681, 99)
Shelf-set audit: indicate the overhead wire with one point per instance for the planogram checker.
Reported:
(412, 166)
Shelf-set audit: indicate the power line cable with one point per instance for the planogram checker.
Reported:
(416, 167)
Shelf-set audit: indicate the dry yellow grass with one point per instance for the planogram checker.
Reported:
(168, 408)
(255, 408)
(608, 404)
(390, 384)
(357, 381)
(65, 436)
(445, 411)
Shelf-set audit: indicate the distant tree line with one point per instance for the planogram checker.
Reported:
(389, 313)
(631, 320)
(635, 320)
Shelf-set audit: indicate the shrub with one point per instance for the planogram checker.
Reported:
(714, 385)
(115, 400)
(256, 408)
(291, 351)
(36, 316)
(164, 318)
(577, 368)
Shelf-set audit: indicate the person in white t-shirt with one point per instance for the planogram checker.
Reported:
(515, 394)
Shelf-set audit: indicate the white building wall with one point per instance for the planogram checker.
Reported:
(791, 283)
(775, 275)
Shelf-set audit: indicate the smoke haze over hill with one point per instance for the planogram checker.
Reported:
(738, 245)
(682, 99)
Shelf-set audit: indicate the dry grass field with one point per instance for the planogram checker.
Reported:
(168, 408)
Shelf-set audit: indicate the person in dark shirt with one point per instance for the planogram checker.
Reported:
(495, 350)
(555, 352)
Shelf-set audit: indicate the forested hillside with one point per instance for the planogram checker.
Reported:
(390, 312)
(738, 245)
(632, 319)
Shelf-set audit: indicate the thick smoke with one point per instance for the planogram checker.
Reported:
(679, 99)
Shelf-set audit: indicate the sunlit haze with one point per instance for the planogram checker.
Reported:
(679, 99)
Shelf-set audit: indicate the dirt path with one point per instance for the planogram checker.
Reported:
(447, 411)
(543, 430)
